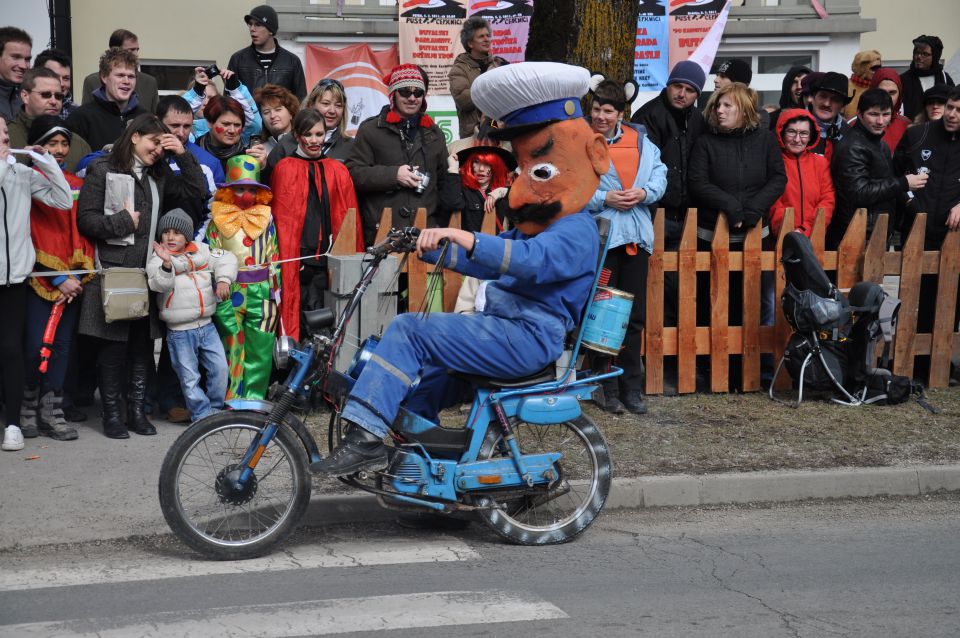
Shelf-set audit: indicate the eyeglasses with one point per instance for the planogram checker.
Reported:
(407, 92)
(325, 82)
(803, 135)
(46, 95)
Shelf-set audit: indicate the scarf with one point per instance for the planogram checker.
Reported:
(222, 153)
(229, 218)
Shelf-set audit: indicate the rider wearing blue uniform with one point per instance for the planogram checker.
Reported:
(542, 270)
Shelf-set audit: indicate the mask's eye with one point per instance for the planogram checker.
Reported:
(544, 172)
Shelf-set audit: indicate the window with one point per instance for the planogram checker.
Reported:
(780, 64)
(172, 76)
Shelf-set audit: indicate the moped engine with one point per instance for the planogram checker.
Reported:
(408, 473)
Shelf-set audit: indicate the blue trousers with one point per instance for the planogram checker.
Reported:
(190, 349)
(38, 312)
(475, 344)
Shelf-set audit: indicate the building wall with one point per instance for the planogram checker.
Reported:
(899, 22)
(168, 29)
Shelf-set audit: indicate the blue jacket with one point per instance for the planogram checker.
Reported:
(544, 280)
(634, 225)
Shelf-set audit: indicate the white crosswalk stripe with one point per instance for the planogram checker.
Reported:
(318, 617)
(339, 554)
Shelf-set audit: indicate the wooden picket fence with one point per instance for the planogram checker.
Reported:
(855, 260)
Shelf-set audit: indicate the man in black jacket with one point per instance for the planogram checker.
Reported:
(265, 61)
(925, 71)
(673, 124)
(862, 169)
(102, 120)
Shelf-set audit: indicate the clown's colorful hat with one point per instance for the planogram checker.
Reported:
(243, 170)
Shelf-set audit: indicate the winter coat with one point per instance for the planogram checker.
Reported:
(809, 186)
(100, 227)
(18, 185)
(739, 173)
(913, 86)
(675, 141)
(464, 70)
(188, 296)
(898, 123)
(290, 183)
(10, 101)
(378, 153)
(20, 127)
(286, 70)
(930, 145)
(632, 226)
(101, 121)
(863, 176)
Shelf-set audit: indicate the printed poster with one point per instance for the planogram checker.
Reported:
(429, 32)
(690, 23)
(360, 70)
(650, 67)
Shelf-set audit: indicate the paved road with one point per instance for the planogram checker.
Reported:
(885, 567)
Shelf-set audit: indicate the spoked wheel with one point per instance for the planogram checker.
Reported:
(557, 513)
(203, 505)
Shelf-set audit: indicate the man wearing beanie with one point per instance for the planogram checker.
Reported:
(732, 71)
(265, 61)
(673, 124)
(191, 278)
(925, 71)
(399, 158)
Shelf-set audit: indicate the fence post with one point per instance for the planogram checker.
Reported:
(417, 271)
(945, 323)
(386, 221)
(751, 301)
(687, 298)
(451, 278)
(346, 240)
(653, 328)
(850, 250)
(782, 331)
(910, 270)
(719, 303)
(818, 236)
(876, 249)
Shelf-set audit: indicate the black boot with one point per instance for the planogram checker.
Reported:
(112, 373)
(136, 396)
(359, 450)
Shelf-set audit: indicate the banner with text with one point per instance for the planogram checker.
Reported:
(669, 31)
(429, 32)
(360, 70)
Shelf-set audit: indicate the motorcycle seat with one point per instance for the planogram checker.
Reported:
(541, 376)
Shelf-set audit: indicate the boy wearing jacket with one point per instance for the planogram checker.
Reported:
(191, 279)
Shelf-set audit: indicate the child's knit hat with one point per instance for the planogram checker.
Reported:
(178, 220)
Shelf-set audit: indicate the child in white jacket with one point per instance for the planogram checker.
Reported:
(191, 279)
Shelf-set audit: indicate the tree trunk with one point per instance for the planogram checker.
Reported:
(597, 34)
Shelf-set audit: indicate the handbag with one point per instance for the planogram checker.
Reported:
(124, 291)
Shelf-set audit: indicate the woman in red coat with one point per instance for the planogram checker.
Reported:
(809, 185)
(311, 198)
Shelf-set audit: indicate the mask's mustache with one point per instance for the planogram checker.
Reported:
(539, 213)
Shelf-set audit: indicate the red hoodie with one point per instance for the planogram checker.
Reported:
(898, 123)
(809, 185)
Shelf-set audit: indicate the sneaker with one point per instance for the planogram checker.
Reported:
(12, 439)
(51, 421)
(28, 413)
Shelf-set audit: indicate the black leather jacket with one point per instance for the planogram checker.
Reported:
(286, 70)
(863, 176)
(932, 147)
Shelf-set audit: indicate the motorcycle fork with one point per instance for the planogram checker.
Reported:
(511, 441)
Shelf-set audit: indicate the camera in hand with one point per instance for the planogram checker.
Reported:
(424, 181)
(211, 71)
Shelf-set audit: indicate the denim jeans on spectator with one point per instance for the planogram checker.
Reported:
(38, 313)
(191, 349)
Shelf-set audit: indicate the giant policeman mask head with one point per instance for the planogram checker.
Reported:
(560, 158)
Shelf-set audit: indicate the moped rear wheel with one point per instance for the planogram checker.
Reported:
(546, 516)
(205, 510)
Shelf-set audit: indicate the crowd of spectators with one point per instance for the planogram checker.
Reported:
(262, 169)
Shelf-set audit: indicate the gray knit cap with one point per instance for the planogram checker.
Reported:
(178, 220)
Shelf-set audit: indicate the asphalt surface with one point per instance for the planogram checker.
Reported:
(96, 488)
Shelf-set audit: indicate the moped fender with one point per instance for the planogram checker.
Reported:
(291, 420)
(548, 409)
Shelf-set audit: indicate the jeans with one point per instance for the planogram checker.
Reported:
(38, 312)
(190, 349)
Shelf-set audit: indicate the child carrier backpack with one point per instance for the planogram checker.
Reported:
(834, 344)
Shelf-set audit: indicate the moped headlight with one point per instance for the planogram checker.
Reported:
(281, 351)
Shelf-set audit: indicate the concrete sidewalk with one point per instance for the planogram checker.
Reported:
(97, 488)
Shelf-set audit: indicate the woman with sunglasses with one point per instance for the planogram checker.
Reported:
(399, 158)
(123, 238)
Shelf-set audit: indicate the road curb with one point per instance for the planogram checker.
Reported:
(708, 489)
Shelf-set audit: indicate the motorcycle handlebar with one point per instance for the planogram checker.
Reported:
(398, 240)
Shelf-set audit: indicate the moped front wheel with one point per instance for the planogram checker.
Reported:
(201, 502)
(546, 515)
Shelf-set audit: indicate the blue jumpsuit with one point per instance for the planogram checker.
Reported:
(539, 290)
